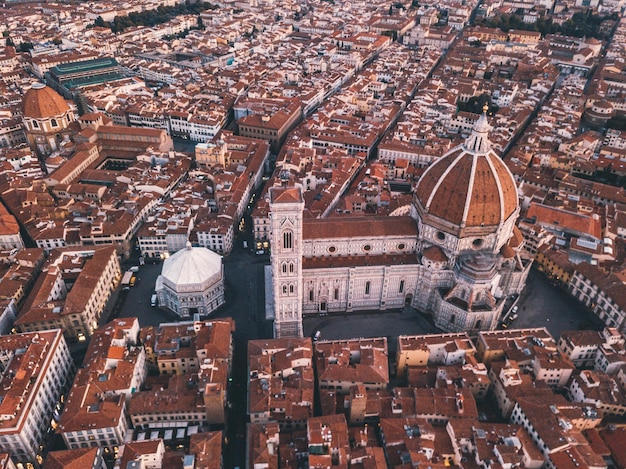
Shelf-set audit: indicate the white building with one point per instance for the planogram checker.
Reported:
(37, 367)
(192, 281)
(457, 256)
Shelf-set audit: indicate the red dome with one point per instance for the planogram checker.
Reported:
(42, 102)
(470, 186)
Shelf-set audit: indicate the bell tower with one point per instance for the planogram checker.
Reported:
(286, 208)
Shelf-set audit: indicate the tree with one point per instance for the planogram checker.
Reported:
(25, 46)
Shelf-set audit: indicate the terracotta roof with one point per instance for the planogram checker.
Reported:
(71, 459)
(335, 228)
(435, 253)
(286, 195)
(470, 185)
(42, 101)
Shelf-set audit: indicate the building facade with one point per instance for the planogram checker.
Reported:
(192, 281)
(37, 368)
(457, 256)
(46, 118)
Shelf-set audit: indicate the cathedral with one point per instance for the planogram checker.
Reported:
(456, 255)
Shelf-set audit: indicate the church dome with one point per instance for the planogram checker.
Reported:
(42, 102)
(192, 268)
(468, 187)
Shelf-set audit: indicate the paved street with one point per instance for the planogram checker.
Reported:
(542, 304)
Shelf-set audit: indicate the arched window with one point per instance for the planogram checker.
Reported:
(284, 289)
(290, 288)
(287, 240)
(291, 267)
(53, 123)
(284, 268)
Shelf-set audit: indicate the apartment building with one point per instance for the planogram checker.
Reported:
(281, 383)
(114, 369)
(81, 458)
(146, 454)
(181, 348)
(514, 344)
(599, 390)
(37, 369)
(508, 382)
(555, 430)
(341, 364)
(604, 351)
(71, 292)
(193, 399)
(436, 349)
(267, 119)
(10, 237)
(602, 292)
(484, 442)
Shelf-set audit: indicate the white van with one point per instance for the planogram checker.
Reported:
(153, 300)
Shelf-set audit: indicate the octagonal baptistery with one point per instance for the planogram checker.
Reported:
(467, 200)
(191, 281)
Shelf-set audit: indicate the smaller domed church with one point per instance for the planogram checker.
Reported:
(46, 117)
(457, 256)
(191, 282)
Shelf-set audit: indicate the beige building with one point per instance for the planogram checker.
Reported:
(341, 364)
(281, 382)
(114, 368)
(436, 349)
(181, 348)
(75, 459)
(71, 292)
(10, 237)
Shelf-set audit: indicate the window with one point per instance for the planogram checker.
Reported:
(284, 289)
(401, 286)
(284, 268)
(287, 240)
(452, 318)
(367, 287)
(332, 249)
(290, 288)
(53, 123)
(336, 294)
(367, 247)
(291, 267)
(310, 295)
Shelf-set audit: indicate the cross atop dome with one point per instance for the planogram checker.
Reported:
(478, 141)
